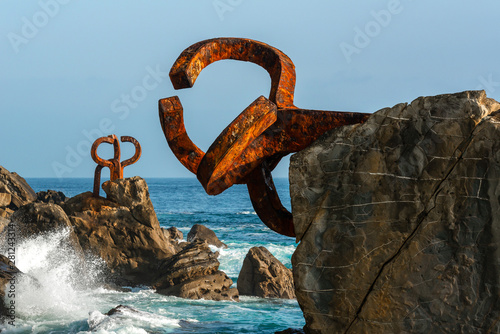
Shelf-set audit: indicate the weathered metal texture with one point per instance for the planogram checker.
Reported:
(115, 165)
(253, 144)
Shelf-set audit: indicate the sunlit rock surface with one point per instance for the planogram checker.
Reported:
(399, 220)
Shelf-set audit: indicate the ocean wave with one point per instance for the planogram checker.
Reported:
(246, 213)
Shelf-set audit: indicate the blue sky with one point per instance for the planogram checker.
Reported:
(73, 70)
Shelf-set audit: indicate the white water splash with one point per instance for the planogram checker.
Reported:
(58, 281)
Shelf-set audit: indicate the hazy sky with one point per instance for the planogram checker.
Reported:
(71, 71)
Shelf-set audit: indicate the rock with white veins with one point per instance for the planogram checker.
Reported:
(399, 220)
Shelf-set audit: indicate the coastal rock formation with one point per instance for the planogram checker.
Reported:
(193, 273)
(51, 197)
(7, 271)
(200, 232)
(123, 230)
(398, 220)
(14, 192)
(173, 233)
(263, 275)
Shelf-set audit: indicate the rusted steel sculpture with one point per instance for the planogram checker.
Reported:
(115, 165)
(253, 144)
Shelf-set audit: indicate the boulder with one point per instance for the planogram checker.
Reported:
(8, 271)
(36, 218)
(397, 220)
(51, 197)
(263, 275)
(128, 239)
(133, 193)
(173, 233)
(200, 232)
(21, 193)
(193, 273)
(291, 331)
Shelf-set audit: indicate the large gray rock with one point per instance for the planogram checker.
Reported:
(194, 273)
(123, 230)
(263, 275)
(13, 184)
(398, 220)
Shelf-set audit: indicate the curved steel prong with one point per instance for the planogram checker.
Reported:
(267, 203)
(195, 58)
(172, 123)
(224, 164)
(137, 154)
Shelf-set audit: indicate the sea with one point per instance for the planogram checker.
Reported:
(66, 300)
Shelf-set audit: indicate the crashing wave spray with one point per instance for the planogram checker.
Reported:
(57, 281)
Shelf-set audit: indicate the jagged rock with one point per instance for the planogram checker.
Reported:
(397, 220)
(8, 271)
(3, 224)
(5, 199)
(6, 213)
(21, 193)
(173, 233)
(129, 240)
(51, 197)
(133, 194)
(35, 218)
(193, 273)
(263, 275)
(200, 232)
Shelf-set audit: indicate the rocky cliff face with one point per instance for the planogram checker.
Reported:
(122, 229)
(399, 220)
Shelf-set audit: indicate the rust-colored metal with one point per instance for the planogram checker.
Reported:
(115, 165)
(253, 144)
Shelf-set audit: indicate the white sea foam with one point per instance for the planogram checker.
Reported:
(58, 282)
(128, 320)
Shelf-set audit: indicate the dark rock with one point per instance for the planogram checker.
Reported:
(173, 233)
(121, 309)
(291, 331)
(36, 218)
(21, 193)
(193, 273)
(397, 220)
(129, 240)
(8, 271)
(51, 197)
(200, 232)
(263, 275)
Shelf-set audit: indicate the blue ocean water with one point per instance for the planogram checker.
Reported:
(63, 304)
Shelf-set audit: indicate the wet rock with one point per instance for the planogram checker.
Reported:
(193, 273)
(263, 275)
(8, 272)
(13, 184)
(51, 197)
(200, 232)
(128, 239)
(36, 218)
(397, 220)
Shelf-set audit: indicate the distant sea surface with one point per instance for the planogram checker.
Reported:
(63, 304)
